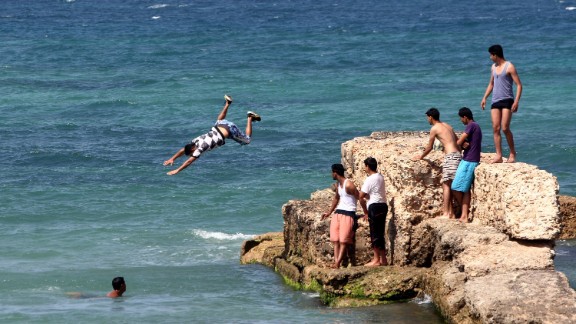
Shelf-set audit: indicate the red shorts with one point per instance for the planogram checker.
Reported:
(341, 228)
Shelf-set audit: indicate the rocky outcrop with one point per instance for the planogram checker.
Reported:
(518, 298)
(568, 215)
(517, 199)
(478, 275)
(307, 237)
(264, 249)
(347, 287)
(497, 269)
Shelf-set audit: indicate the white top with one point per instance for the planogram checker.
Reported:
(347, 202)
(375, 187)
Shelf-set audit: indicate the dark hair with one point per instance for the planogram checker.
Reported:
(118, 282)
(371, 163)
(434, 113)
(188, 148)
(496, 50)
(338, 168)
(465, 112)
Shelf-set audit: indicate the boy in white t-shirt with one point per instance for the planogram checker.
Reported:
(373, 202)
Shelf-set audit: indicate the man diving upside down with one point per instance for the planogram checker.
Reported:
(214, 138)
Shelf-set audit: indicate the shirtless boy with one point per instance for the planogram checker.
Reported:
(119, 286)
(445, 134)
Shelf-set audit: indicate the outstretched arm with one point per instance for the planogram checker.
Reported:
(171, 160)
(428, 148)
(183, 166)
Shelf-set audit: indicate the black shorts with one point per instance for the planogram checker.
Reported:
(377, 219)
(503, 104)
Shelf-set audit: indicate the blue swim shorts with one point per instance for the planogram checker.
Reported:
(464, 176)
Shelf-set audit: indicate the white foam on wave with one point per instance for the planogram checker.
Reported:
(221, 236)
(158, 6)
(570, 8)
(561, 252)
(425, 299)
(155, 17)
(47, 289)
(311, 294)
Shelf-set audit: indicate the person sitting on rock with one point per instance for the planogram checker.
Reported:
(214, 138)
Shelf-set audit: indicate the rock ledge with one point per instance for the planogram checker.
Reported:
(497, 269)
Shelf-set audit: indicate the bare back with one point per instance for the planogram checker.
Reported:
(445, 134)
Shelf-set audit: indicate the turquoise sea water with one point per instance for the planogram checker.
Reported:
(95, 95)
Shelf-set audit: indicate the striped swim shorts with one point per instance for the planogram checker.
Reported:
(450, 166)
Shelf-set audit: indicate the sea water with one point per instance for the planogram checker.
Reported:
(95, 95)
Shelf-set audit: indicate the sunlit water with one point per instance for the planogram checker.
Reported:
(97, 94)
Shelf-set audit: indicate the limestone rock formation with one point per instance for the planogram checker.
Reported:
(568, 214)
(497, 269)
(263, 249)
(517, 199)
(517, 298)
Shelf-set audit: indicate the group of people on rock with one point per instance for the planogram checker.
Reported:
(372, 198)
(462, 156)
(461, 159)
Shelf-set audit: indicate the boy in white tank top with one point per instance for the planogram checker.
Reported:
(344, 208)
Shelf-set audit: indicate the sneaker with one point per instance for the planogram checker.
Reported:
(228, 98)
(254, 116)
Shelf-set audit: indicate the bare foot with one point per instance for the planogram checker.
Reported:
(497, 159)
(372, 264)
(334, 266)
(511, 158)
(464, 220)
(444, 216)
